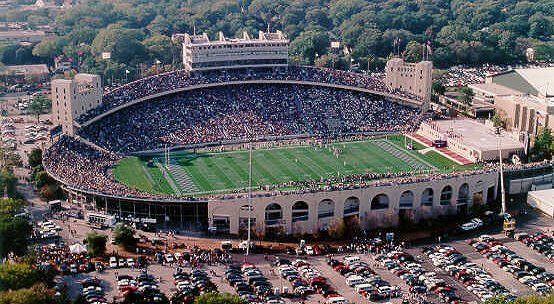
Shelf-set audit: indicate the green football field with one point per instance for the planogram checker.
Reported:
(220, 172)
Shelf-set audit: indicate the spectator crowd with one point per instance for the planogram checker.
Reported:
(246, 111)
(182, 79)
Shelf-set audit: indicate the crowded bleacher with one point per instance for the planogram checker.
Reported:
(69, 158)
(246, 111)
(180, 79)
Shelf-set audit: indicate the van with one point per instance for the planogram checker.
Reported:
(354, 280)
(336, 300)
(364, 287)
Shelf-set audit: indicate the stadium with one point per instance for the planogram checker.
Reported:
(326, 146)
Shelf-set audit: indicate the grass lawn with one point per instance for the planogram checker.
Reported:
(134, 173)
(229, 170)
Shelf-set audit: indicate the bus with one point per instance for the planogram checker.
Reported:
(99, 220)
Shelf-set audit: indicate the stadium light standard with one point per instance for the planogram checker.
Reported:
(498, 132)
(249, 200)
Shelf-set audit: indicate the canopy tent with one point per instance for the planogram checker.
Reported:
(77, 248)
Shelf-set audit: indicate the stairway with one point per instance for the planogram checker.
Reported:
(404, 156)
(182, 178)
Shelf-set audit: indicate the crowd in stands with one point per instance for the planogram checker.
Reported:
(181, 79)
(246, 111)
(86, 168)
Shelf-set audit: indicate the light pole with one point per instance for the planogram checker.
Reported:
(498, 132)
(249, 200)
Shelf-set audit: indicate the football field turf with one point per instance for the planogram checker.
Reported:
(225, 171)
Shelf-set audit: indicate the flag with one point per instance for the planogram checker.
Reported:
(429, 49)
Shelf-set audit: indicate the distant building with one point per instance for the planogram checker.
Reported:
(415, 78)
(25, 73)
(20, 36)
(524, 96)
(267, 50)
(72, 98)
(470, 139)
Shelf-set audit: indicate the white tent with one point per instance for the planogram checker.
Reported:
(77, 248)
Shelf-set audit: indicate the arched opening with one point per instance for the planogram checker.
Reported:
(406, 199)
(446, 195)
(427, 197)
(273, 214)
(351, 206)
(325, 209)
(380, 201)
(300, 211)
(463, 194)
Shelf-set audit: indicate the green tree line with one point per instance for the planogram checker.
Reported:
(138, 31)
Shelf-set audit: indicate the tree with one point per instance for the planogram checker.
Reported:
(543, 144)
(219, 298)
(466, 95)
(413, 52)
(499, 120)
(123, 44)
(14, 233)
(39, 104)
(308, 44)
(96, 244)
(438, 88)
(10, 206)
(42, 178)
(337, 230)
(37, 294)
(124, 235)
(35, 157)
(16, 276)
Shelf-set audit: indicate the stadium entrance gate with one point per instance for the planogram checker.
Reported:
(182, 214)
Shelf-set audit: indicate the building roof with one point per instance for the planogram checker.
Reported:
(29, 69)
(476, 135)
(21, 33)
(533, 81)
(494, 89)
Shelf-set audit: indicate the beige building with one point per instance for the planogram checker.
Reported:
(525, 97)
(267, 50)
(373, 207)
(470, 139)
(72, 98)
(412, 77)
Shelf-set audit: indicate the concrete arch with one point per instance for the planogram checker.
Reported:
(427, 197)
(406, 199)
(325, 209)
(351, 206)
(380, 201)
(300, 211)
(446, 195)
(273, 214)
(463, 194)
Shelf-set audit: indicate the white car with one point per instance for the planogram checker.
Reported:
(130, 262)
(113, 262)
(169, 258)
(309, 250)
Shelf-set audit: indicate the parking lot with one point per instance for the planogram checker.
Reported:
(392, 278)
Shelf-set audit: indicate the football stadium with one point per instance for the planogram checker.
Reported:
(323, 146)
